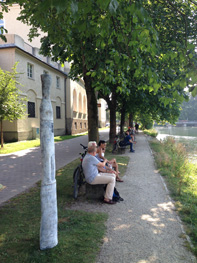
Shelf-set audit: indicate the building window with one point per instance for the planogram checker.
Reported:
(31, 109)
(75, 126)
(74, 100)
(84, 104)
(30, 70)
(57, 82)
(80, 125)
(58, 112)
(85, 125)
(80, 102)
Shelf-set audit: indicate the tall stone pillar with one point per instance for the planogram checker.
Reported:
(49, 218)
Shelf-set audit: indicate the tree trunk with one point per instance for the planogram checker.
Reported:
(122, 121)
(2, 134)
(92, 111)
(131, 119)
(112, 106)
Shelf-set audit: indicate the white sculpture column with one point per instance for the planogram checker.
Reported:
(49, 218)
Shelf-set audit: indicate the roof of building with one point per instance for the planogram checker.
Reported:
(31, 51)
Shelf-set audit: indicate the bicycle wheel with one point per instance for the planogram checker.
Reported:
(115, 147)
(76, 180)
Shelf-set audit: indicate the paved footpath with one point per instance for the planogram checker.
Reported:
(144, 228)
(21, 170)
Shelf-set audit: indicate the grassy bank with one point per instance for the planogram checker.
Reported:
(23, 145)
(181, 176)
(151, 132)
(80, 233)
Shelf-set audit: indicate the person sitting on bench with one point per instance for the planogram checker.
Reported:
(110, 163)
(129, 141)
(131, 133)
(93, 176)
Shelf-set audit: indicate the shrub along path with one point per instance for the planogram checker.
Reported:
(144, 228)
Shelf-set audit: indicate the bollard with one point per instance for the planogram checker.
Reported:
(49, 218)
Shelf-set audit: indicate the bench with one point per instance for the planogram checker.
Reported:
(121, 149)
(95, 191)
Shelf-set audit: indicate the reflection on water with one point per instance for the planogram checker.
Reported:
(178, 131)
(163, 136)
(185, 135)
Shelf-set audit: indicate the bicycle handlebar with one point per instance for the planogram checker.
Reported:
(84, 147)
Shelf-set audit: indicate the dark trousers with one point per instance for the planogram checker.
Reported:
(131, 145)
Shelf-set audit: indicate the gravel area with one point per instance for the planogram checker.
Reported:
(144, 228)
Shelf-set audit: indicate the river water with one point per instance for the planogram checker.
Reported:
(189, 132)
(185, 135)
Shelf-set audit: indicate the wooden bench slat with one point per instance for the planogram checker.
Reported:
(95, 191)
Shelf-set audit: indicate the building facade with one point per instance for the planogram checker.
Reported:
(16, 27)
(102, 107)
(68, 97)
(30, 68)
(76, 107)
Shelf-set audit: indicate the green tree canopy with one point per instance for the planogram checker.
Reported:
(152, 40)
(3, 8)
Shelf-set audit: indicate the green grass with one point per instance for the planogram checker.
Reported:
(18, 146)
(104, 128)
(67, 137)
(23, 145)
(80, 234)
(181, 176)
(191, 147)
(151, 132)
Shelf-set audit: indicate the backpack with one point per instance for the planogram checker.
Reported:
(122, 143)
(116, 196)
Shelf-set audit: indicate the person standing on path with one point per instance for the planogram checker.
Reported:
(136, 127)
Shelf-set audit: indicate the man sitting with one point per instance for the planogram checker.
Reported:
(132, 133)
(129, 141)
(93, 176)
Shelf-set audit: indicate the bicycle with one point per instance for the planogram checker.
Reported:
(78, 175)
(116, 143)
